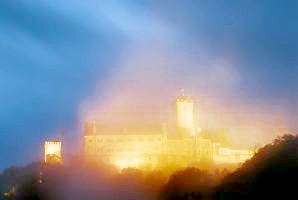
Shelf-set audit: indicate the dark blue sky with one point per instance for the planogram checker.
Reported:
(54, 55)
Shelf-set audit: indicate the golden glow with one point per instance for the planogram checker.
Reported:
(193, 133)
(52, 151)
(132, 147)
(224, 151)
(185, 113)
(125, 162)
(229, 155)
(152, 151)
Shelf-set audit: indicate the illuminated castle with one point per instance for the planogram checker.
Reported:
(152, 146)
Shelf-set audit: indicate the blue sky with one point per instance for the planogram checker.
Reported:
(54, 56)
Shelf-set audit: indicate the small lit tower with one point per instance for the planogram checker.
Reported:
(185, 112)
(52, 152)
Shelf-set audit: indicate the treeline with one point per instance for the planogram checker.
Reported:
(270, 174)
(24, 178)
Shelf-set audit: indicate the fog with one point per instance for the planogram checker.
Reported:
(147, 78)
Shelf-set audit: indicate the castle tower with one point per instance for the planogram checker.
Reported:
(52, 152)
(185, 111)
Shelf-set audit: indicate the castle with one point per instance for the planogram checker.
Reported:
(151, 145)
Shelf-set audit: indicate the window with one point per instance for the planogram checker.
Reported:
(109, 140)
(150, 139)
(90, 140)
(141, 139)
(99, 140)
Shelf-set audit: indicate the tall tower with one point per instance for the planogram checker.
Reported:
(185, 111)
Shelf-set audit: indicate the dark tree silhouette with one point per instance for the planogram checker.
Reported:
(270, 174)
(185, 183)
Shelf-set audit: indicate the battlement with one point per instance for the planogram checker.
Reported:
(54, 142)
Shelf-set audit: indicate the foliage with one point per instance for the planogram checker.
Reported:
(191, 181)
(267, 175)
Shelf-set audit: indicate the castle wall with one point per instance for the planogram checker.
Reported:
(150, 147)
(157, 150)
(126, 150)
(180, 152)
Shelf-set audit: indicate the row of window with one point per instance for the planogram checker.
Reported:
(121, 150)
(237, 157)
(131, 159)
(151, 139)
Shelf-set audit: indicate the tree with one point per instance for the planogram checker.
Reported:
(188, 181)
(155, 180)
(267, 175)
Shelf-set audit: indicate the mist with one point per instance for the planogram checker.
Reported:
(62, 64)
(148, 77)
